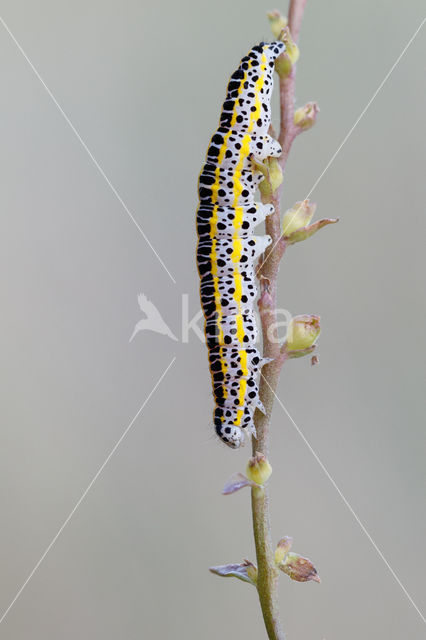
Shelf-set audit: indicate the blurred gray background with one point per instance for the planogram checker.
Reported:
(143, 83)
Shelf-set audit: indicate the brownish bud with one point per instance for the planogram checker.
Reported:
(299, 568)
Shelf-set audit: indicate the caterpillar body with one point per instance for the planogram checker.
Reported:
(227, 248)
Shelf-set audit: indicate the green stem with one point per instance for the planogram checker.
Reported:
(267, 578)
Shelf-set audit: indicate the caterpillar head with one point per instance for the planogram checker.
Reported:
(230, 434)
(271, 49)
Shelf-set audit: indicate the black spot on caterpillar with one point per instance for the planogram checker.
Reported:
(227, 249)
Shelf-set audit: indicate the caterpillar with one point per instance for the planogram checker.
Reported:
(226, 248)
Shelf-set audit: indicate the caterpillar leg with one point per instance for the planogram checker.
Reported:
(264, 146)
(261, 243)
(260, 406)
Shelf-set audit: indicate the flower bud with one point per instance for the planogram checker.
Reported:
(298, 216)
(277, 22)
(283, 547)
(302, 332)
(258, 469)
(299, 568)
(305, 117)
(285, 62)
(273, 173)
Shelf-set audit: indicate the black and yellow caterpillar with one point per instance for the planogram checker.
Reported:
(226, 250)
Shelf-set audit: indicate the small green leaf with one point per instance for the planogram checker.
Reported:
(307, 232)
(299, 353)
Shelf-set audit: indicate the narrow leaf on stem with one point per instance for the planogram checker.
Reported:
(235, 483)
(245, 571)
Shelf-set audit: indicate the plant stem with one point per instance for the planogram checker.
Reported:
(267, 582)
(267, 578)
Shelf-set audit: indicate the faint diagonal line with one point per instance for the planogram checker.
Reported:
(323, 467)
(86, 148)
(351, 130)
(367, 106)
(92, 482)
